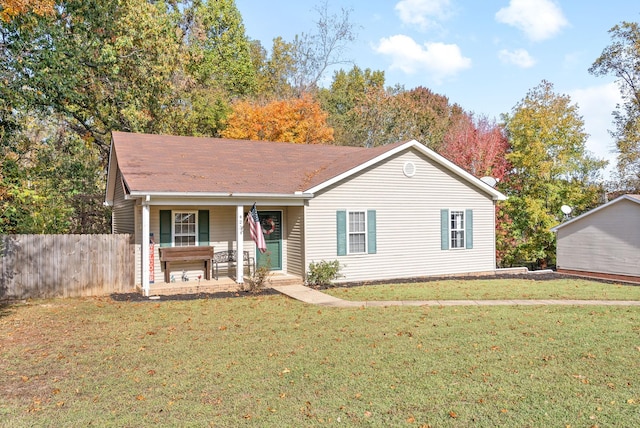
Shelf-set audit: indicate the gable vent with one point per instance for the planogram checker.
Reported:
(409, 169)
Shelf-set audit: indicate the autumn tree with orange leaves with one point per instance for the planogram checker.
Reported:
(294, 120)
(12, 8)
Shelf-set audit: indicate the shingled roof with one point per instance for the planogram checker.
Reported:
(164, 163)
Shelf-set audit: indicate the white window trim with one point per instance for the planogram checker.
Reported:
(173, 226)
(365, 232)
(464, 230)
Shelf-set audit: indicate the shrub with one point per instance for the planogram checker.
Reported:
(323, 273)
(259, 279)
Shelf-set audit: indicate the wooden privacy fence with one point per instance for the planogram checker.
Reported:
(44, 266)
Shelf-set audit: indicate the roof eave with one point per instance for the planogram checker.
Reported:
(135, 194)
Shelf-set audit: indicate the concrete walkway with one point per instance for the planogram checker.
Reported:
(315, 297)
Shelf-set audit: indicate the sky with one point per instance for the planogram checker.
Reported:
(484, 55)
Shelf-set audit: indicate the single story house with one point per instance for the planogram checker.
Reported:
(390, 212)
(603, 242)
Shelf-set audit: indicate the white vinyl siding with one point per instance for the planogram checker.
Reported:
(293, 218)
(408, 222)
(606, 241)
(122, 214)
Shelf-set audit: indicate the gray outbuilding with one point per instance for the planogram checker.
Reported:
(603, 242)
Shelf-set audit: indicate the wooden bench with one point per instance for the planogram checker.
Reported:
(174, 254)
(231, 256)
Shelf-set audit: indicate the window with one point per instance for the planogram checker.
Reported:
(184, 228)
(357, 232)
(457, 229)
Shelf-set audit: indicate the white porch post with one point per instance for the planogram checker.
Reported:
(240, 244)
(145, 247)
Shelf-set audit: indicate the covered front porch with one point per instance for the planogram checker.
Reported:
(216, 224)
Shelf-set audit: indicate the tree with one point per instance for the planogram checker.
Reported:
(103, 66)
(84, 69)
(369, 119)
(425, 116)
(274, 72)
(219, 51)
(315, 53)
(375, 117)
(550, 167)
(296, 120)
(296, 67)
(133, 66)
(344, 100)
(9, 9)
(621, 59)
(52, 182)
(478, 145)
(365, 113)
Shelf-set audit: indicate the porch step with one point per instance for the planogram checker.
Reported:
(284, 281)
(225, 284)
(193, 289)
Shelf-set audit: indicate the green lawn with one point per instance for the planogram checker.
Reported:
(272, 361)
(491, 289)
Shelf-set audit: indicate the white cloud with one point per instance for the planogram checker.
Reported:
(440, 60)
(519, 57)
(423, 13)
(539, 19)
(596, 103)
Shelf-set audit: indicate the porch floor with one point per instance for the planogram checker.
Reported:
(225, 283)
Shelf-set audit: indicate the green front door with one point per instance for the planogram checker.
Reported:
(271, 222)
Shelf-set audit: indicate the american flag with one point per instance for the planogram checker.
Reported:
(256, 229)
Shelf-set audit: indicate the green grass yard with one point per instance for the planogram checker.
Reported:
(272, 361)
(491, 289)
